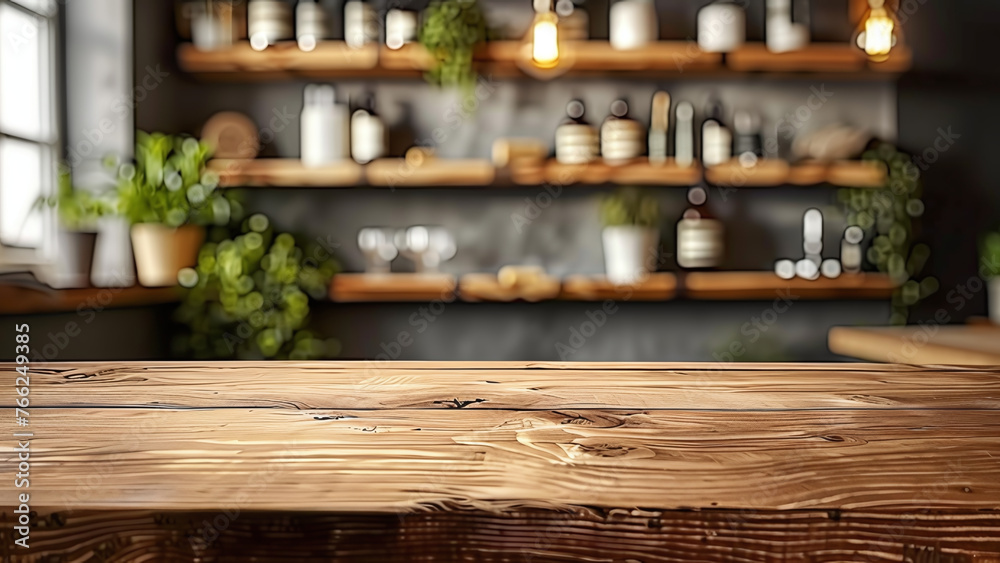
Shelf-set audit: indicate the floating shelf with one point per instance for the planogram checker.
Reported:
(392, 287)
(659, 286)
(396, 172)
(284, 172)
(486, 287)
(769, 173)
(501, 59)
(766, 285)
(21, 300)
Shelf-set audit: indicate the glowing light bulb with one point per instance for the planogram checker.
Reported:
(545, 40)
(878, 32)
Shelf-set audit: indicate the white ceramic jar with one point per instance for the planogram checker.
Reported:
(268, 21)
(325, 127)
(721, 27)
(633, 24)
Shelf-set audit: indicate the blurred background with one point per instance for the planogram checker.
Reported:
(902, 148)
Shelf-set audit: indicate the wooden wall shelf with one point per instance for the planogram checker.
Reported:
(660, 286)
(770, 173)
(766, 285)
(21, 300)
(396, 172)
(501, 59)
(392, 287)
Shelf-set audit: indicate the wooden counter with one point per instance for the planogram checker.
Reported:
(513, 461)
(924, 344)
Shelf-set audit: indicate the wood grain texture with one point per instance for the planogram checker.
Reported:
(396, 172)
(17, 300)
(285, 172)
(397, 287)
(344, 436)
(486, 287)
(519, 536)
(766, 285)
(930, 344)
(658, 286)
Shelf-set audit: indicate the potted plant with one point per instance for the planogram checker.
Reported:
(450, 32)
(168, 196)
(248, 297)
(631, 235)
(990, 267)
(78, 212)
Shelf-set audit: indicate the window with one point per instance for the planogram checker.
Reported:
(29, 144)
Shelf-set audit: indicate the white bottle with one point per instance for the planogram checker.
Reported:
(310, 24)
(368, 134)
(360, 24)
(400, 28)
(325, 136)
(632, 24)
(782, 33)
(721, 27)
(268, 21)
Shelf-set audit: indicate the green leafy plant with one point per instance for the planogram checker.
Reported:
(248, 297)
(450, 32)
(630, 206)
(77, 209)
(168, 183)
(889, 216)
(989, 254)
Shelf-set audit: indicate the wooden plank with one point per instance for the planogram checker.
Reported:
(510, 385)
(284, 172)
(396, 172)
(388, 460)
(486, 287)
(398, 287)
(930, 344)
(817, 57)
(521, 535)
(284, 59)
(658, 286)
(766, 285)
(22, 300)
(857, 174)
(768, 172)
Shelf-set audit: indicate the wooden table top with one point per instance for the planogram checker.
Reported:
(977, 344)
(411, 436)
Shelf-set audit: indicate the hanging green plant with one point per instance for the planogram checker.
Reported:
(168, 183)
(450, 32)
(248, 297)
(889, 217)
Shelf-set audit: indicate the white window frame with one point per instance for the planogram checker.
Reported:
(13, 258)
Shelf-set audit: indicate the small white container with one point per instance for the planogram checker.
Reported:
(400, 28)
(633, 24)
(360, 24)
(325, 129)
(368, 135)
(630, 252)
(268, 21)
(721, 27)
(310, 25)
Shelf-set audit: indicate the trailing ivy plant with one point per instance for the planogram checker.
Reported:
(168, 183)
(450, 32)
(889, 216)
(248, 296)
(630, 206)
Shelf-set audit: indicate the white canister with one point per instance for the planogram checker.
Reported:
(268, 21)
(721, 27)
(630, 253)
(633, 24)
(400, 28)
(310, 25)
(368, 137)
(325, 129)
(360, 23)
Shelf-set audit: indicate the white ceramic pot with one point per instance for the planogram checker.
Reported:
(161, 252)
(630, 253)
(993, 298)
(633, 24)
(721, 27)
(113, 265)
